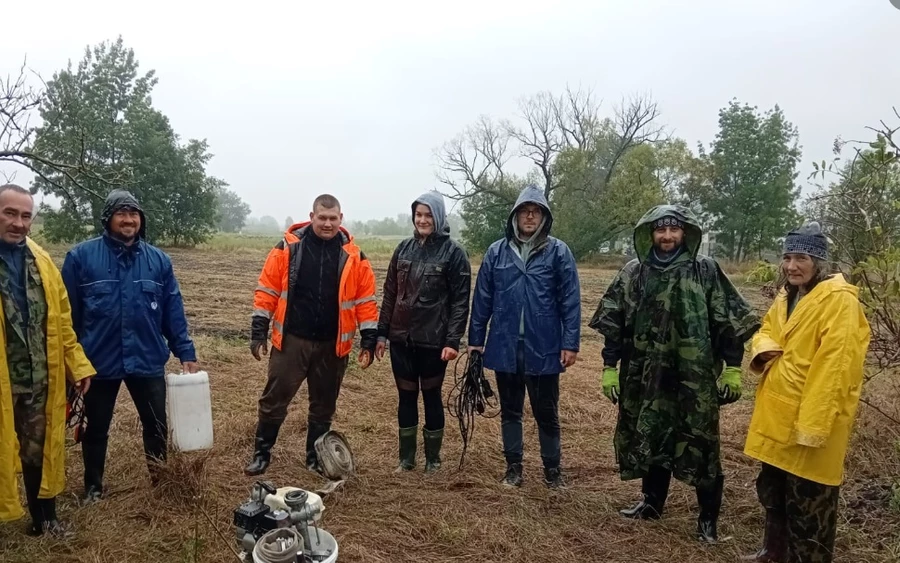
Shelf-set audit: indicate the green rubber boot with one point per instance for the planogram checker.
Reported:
(408, 438)
(432, 442)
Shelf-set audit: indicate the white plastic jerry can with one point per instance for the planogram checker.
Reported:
(190, 411)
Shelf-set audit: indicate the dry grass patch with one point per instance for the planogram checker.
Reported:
(381, 517)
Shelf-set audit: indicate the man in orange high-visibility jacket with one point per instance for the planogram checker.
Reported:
(316, 287)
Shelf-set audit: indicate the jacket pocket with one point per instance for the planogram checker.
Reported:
(99, 299)
(151, 299)
(777, 416)
(434, 283)
(403, 267)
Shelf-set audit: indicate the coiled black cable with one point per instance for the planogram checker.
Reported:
(75, 412)
(470, 396)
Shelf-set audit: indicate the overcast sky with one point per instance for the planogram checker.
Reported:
(352, 98)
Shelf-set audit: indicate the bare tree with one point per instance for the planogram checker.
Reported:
(541, 137)
(472, 162)
(546, 125)
(636, 122)
(19, 102)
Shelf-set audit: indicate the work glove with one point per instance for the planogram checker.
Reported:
(256, 346)
(611, 384)
(730, 385)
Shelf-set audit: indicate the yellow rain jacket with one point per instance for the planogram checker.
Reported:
(65, 358)
(808, 396)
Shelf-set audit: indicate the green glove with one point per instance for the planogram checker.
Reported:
(730, 385)
(611, 384)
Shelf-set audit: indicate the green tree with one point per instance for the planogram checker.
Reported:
(231, 211)
(860, 209)
(486, 213)
(749, 192)
(594, 209)
(100, 113)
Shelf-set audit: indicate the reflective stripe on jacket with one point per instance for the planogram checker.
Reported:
(358, 308)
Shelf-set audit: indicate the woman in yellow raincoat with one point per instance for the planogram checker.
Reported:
(810, 352)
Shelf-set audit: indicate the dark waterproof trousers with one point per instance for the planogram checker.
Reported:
(418, 368)
(302, 360)
(149, 397)
(543, 394)
(808, 509)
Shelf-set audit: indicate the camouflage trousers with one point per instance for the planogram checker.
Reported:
(31, 425)
(809, 508)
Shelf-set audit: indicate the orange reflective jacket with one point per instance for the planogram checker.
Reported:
(356, 292)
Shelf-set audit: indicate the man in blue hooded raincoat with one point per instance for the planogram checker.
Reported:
(528, 290)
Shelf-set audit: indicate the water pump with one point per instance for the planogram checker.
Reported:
(282, 526)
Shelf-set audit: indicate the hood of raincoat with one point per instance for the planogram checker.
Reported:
(643, 231)
(531, 194)
(435, 202)
(118, 200)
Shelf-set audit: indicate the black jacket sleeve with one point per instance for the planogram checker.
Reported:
(388, 296)
(259, 328)
(732, 350)
(460, 285)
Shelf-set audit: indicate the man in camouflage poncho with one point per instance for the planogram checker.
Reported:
(670, 319)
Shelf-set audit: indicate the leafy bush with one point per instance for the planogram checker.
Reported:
(763, 274)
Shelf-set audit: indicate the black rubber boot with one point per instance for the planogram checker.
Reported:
(513, 477)
(433, 439)
(655, 488)
(710, 501)
(313, 431)
(42, 511)
(775, 540)
(407, 438)
(266, 434)
(32, 478)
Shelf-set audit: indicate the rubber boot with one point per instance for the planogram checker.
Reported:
(513, 477)
(42, 511)
(432, 440)
(313, 431)
(266, 434)
(655, 488)
(710, 501)
(407, 438)
(774, 549)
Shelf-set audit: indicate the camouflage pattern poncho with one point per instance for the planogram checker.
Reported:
(670, 328)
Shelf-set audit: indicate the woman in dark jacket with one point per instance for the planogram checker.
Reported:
(424, 311)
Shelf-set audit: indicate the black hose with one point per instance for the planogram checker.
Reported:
(470, 395)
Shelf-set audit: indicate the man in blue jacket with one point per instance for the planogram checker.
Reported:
(128, 314)
(528, 289)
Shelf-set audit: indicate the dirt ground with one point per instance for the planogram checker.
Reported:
(381, 517)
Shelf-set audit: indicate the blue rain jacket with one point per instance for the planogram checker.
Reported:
(543, 294)
(127, 308)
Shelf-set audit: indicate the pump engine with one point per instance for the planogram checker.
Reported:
(282, 526)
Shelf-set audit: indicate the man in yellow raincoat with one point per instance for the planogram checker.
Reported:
(39, 352)
(810, 351)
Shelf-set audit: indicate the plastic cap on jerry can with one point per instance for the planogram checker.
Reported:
(190, 411)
